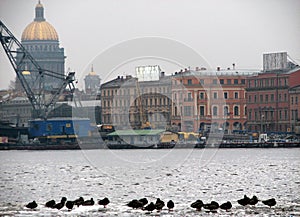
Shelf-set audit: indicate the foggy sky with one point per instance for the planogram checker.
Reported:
(223, 32)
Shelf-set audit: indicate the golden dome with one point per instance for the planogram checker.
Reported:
(39, 29)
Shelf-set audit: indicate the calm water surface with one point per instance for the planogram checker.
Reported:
(183, 175)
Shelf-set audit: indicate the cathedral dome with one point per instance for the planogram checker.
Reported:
(39, 29)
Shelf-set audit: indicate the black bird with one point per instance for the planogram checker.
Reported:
(198, 204)
(144, 201)
(170, 205)
(253, 200)
(212, 206)
(50, 203)
(78, 201)
(226, 206)
(150, 207)
(105, 201)
(270, 202)
(61, 204)
(32, 205)
(90, 202)
(135, 204)
(244, 201)
(159, 204)
(70, 205)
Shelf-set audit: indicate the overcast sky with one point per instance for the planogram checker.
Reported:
(222, 32)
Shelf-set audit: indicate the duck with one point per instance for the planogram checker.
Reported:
(135, 204)
(32, 205)
(50, 204)
(150, 207)
(198, 204)
(61, 204)
(159, 204)
(78, 201)
(170, 205)
(144, 201)
(105, 201)
(69, 205)
(270, 202)
(212, 206)
(226, 206)
(253, 200)
(244, 201)
(90, 202)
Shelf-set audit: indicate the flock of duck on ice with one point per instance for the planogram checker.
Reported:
(143, 204)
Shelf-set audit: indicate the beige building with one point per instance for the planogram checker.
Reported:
(127, 103)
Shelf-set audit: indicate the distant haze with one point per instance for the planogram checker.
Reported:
(222, 32)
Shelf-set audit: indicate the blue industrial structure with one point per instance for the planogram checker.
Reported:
(58, 128)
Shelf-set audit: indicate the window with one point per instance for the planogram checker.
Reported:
(236, 95)
(225, 95)
(249, 98)
(190, 97)
(201, 110)
(215, 81)
(285, 115)
(187, 110)
(221, 81)
(201, 81)
(236, 81)
(296, 99)
(279, 97)
(255, 98)
(228, 81)
(49, 127)
(215, 110)
(292, 99)
(236, 110)
(250, 116)
(280, 114)
(189, 82)
(267, 98)
(242, 81)
(261, 98)
(272, 97)
(201, 95)
(215, 95)
(226, 111)
(285, 97)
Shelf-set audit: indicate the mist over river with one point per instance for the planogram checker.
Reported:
(183, 175)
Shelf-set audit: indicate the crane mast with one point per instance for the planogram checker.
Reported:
(20, 59)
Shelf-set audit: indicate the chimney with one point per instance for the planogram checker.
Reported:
(218, 68)
(233, 66)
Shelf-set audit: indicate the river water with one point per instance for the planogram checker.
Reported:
(183, 175)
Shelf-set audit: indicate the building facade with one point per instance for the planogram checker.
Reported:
(269, 100)
(209, 100)
(295, 109)
(129, 104)
(17, 111)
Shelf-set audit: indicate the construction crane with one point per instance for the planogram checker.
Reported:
(20, 59)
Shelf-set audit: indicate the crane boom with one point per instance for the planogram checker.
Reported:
(20, 58)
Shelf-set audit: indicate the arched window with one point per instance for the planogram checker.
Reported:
(226, 111)
(236, 110)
